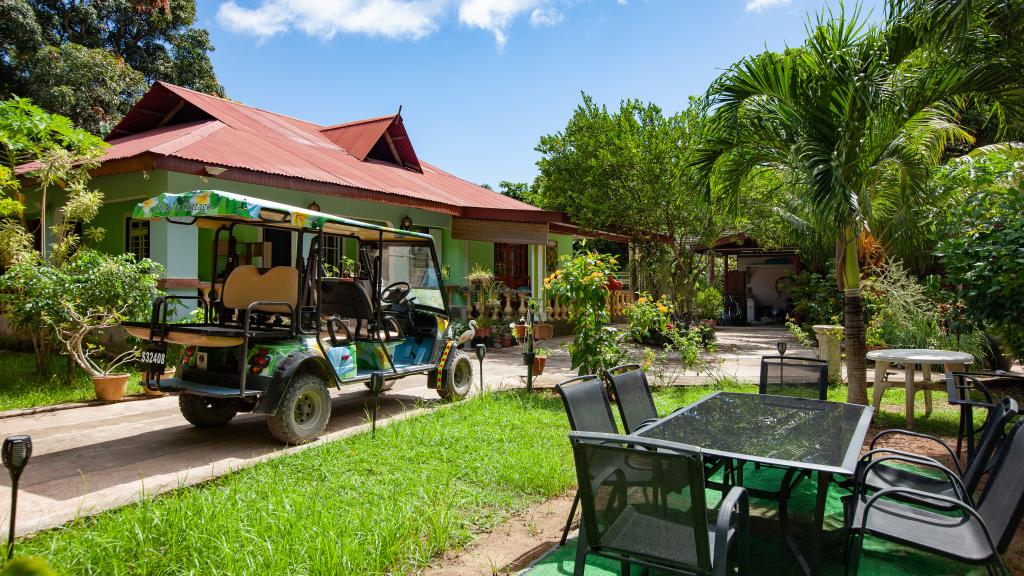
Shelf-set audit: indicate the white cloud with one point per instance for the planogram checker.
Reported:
(325, 18)
(759, 5)
(404, 19)
(545, 17)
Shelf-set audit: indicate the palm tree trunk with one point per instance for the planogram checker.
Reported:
(856, 364)
(856, 348)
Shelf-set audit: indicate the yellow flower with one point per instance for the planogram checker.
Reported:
(662, 308)
(642, 300)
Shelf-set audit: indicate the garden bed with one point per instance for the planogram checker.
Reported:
(22, 387)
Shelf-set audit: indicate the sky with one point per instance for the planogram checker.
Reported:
(480, 81)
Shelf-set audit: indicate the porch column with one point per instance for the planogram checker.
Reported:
(538, 269)
(176, 246)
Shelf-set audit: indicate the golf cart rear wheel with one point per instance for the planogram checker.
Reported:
(303, 412)
(460, 377)
(203, 412)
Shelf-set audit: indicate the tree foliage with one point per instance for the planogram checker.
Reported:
(852, 123)
(982, 244)
(92, 60)
(628, 172)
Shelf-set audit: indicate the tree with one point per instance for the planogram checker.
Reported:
(628, 172)
(519, 190)
(852, 122)
(58, 154)
(92, 60)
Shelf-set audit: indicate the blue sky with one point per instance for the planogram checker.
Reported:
(481, 80)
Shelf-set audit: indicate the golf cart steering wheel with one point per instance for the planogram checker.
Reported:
(395, 292)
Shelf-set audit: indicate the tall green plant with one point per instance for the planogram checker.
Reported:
(581, 284)
(852, 122)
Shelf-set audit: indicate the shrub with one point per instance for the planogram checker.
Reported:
(649, 318)
(708, 304)
(982, 251)
(89, 292)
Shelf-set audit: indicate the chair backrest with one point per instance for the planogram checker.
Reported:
(794, 376)
(992, 439)
(615, 475)
(633, 395)
(1002, 501)
(245, 285)
(966, 389)
(586, 404)
(346, 298)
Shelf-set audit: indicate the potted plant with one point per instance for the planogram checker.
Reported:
(88, 294)
(504, 333)
(540, 357)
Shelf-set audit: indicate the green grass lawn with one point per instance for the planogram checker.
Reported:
(21, 387)
(359, 505)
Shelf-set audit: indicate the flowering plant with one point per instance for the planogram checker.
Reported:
(649, 318)
(581, 284)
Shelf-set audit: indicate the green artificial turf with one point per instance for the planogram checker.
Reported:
(769, 555)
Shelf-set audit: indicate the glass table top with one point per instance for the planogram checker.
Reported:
(793, 432)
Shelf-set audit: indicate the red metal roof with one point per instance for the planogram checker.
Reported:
(177, 123)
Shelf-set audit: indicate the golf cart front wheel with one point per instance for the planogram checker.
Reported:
(460, 377)
(303, 412)
(203, 412)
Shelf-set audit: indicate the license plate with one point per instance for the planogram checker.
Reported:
(155, 360)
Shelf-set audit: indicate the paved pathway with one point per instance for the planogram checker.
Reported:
(90, 459)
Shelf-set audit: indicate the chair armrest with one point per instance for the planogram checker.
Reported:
(735, 504)
(937, 440)
(955, 482)
(634, 440)
(924, 497)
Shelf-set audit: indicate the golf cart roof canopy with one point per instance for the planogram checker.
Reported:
(208, 208)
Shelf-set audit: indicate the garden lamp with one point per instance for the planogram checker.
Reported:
(16, 452)
(781, 347)
(376, 386)
(481, 352)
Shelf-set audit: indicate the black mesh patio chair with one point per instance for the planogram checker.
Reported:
(968, 534)
(794, 376)
(670, 533)
(883, 468)
(970, 390)
(633, 395)
(586, 404)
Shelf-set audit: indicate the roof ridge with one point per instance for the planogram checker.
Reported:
(357, 122)
(237, 103)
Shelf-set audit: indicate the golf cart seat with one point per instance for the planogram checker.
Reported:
(347, 298)
(244, 286)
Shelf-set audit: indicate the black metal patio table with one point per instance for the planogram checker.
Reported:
(798, 434)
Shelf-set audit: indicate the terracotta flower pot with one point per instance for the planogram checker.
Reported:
(505, 341)
(543, 331)
(538, 365)
(110, 388)
(483, 332)
(521, 331)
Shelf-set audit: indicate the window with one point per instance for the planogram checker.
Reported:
(333, 255)
(136, 239)
(511, 264)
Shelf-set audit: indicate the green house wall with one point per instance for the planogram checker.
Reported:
(186, 250)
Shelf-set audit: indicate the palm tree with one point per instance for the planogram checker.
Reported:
(852, 121)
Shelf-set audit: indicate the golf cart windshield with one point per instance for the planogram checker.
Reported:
(412, 263)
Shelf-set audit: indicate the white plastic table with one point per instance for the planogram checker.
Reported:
(910, 358)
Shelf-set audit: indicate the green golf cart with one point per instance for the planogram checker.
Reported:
(272, 339)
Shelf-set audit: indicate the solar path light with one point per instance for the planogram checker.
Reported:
(481, 352)
(16, 452)
(376, 386)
